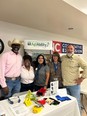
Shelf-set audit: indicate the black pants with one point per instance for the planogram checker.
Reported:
(36, 88)
(26, 87)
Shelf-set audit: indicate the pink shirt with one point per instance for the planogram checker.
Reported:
(10, 66)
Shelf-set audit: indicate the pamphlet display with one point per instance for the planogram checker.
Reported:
(53, 87)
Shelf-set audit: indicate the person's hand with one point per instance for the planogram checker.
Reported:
(79, 80)
(5, 90)
(45, 87)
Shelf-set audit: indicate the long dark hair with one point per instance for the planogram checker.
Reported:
(37, 63)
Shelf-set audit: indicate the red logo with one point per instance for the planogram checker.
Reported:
(56, 46)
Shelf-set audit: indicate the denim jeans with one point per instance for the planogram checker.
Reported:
(14, 87)
(75, 92)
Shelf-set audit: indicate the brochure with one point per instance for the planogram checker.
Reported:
(19, 109)
(2, 112)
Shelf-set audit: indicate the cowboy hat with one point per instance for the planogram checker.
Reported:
(15, 41)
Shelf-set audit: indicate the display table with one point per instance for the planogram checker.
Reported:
(65, 108)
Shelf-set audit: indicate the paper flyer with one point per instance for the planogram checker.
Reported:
(19, 109)
(2, 112)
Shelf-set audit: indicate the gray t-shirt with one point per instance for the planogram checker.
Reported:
(40, 81)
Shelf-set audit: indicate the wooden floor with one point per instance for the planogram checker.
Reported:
(85, 105)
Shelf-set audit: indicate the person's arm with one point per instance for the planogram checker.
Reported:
(2, 74)
(83, 65)
(47, 79)
(47, 76)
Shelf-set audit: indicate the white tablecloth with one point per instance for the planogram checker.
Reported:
(66, 108)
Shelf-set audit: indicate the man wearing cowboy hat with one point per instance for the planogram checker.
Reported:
(10, 68)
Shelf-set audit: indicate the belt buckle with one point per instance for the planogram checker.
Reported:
(14, 78)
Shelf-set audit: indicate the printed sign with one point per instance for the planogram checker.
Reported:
(60, 47)
(38, 45)
(78, 48)
(57, 46)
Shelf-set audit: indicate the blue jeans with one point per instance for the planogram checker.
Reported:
(14, 87)
(75, 92)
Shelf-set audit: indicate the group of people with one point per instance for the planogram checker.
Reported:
(17, 75)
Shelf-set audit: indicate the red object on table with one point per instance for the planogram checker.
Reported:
(43, 101)
(41, 92)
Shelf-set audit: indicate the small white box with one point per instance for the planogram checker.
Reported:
(54, 87)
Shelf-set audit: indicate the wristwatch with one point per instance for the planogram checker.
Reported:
(1, 46)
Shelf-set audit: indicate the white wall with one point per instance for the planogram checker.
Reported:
(10, 31)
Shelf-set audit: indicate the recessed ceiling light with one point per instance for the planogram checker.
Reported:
(70, 28)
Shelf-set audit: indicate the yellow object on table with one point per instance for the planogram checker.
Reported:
(29, 98)
(30, 95)
(27, 102)
(37, 109)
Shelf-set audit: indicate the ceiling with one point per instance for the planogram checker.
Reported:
(53, 16)
(78, 4)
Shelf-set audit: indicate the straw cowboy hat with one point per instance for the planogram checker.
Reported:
(15, 41)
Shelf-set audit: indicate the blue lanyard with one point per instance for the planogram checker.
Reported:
(55, 67)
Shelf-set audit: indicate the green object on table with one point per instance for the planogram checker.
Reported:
(31, 96)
